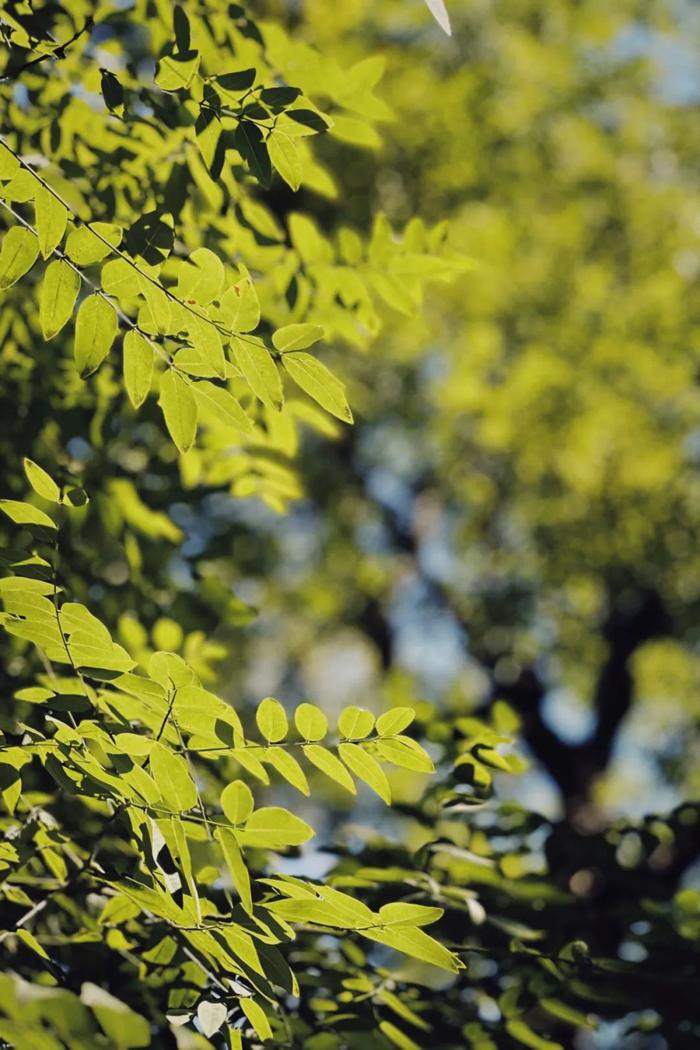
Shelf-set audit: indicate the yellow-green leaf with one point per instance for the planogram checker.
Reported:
(286, 158)
(220, 405)
(311, 722)
(397, 1037)
(138, 367)
(404, 752)
(95, 329)
(42, 483)
(274, 828)
(240, 308)
(177, 71)
(59, 290)
(173, 779)
(179, 409)
(355, 723)
(236, 866)
(237, 801)
(319, 383)
(272, 720)
(89, 244)
(258, 370)
(18, 254)
(201, 278)
(51, 219)
(25, 514)
(296, 337)
(185, 861)
(366, 768)
(257, 1017)
(417, 944)
(395, 720)
(327, 762)
(287, 767)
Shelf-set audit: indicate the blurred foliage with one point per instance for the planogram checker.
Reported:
(483, 247)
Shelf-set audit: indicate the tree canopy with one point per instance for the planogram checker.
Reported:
(353, 363)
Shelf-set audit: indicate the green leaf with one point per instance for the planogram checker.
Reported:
(201, 278)
(138, 367)
(327, 762)
(173, 779)
(319, 383)
(237, 801)
(272, 720)
(59, 290)
(236, 866)
(219, 404)
(397, 1037)
(25, 514)
(156, 316)
(185, 861)
(89, 244)
(355, 723)
(404, 752)
(274, 828)
(366, 768)
(567, 1013)
(206, 339)
(51, 220)
(125, 1028)
(296, 337)
(248, 140)
(42, 483)
(120, 279)
(258, 370)
(10, 785)
(112, 91)
(257, 1017)
(238, 82)
(179, 409)
(395, 720)
(287, 767)
(311, 722)
(31, 942)
(401, 913)
(17, 256)
(177, 71)
(417, 944)
(525, 1035)
(95, 330)
(286, 158)
(9, 164)
(240, 307)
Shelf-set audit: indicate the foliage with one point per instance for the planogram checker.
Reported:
(202, 286)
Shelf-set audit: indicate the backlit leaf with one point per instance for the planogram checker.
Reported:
(311, 722)
(42, 483)
(59, 291)
(272, 720)
(138, 366)
(95, 330)
(173, 779)
(179, 408)
(258, 370)
(237, 801)
(51, 219)
(319, 383)
(366, 768)
(17, 255)
(274, 828)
